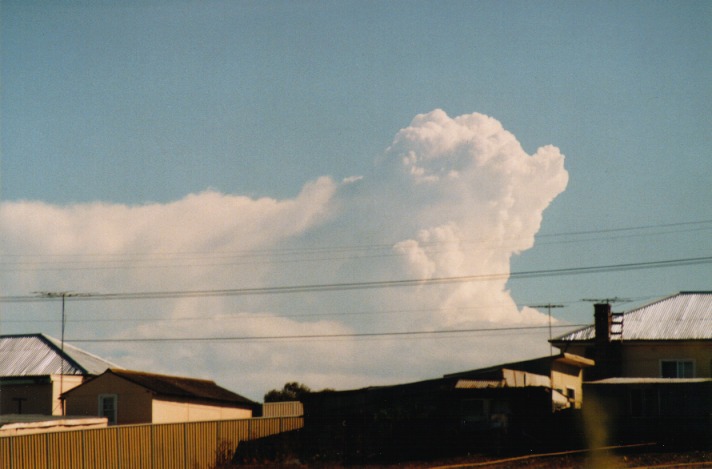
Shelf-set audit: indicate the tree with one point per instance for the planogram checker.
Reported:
(290, 392)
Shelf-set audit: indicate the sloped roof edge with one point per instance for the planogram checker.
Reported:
(181, 387)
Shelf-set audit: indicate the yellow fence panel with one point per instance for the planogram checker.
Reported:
(29, 451)
(261, 428)
(292, 423)
(134, 447)
(232, 432)
(101, 448)
(194, 445)
(201, 444)
(65, 449)
(168, 442)
(5, 453)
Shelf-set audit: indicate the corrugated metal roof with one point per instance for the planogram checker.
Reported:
(684, 316)
(40, 355)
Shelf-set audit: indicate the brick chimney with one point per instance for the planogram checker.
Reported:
(607, 352)
(602, 319)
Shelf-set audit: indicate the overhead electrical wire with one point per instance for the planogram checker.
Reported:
(158, 260)
(327, 287)
(324, 336)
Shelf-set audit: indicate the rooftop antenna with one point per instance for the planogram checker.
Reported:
(615, 299)
(548, 307)
(63, 295)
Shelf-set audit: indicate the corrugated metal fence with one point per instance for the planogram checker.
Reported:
(192, 445)
(282, 409)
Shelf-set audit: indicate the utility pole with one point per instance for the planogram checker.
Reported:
(548, 307)
(63, 295)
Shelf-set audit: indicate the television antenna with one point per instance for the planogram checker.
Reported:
(63, 295)
(548, 307)
(607, 301)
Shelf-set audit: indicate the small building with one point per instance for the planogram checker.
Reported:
(35, 369)
(132, 397)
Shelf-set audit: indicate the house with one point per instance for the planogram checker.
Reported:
(131, 397)
(35, 369)
(668, 338)
(491, 408)
(653, 375)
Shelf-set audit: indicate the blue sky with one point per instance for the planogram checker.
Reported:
(141, 104)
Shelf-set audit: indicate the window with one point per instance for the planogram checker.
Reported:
(107, 407)
(571, 394)
(677, 369)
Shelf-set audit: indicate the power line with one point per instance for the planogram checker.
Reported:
(322, 336)
(179, 259)
(373, 284)
(251, 315)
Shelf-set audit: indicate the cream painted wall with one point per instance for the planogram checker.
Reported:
(62, 384)
(564, 377)
(643, 359)
(166, 411)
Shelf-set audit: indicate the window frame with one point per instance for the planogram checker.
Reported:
(678, 362)
(111, 420)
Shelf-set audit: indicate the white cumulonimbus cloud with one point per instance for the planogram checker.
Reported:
(471, 198)
(451, 197)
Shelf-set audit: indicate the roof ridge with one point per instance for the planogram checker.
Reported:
(80, 350)
(678, 316)
(158, 375)
(59, 349)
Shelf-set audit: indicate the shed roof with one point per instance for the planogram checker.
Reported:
(683, 316)
(41, 355)
(181, 387)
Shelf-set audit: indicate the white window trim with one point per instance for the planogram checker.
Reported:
(115, 397)
(678, 360)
